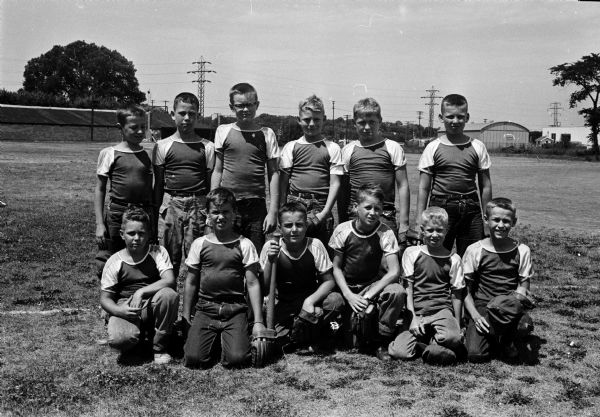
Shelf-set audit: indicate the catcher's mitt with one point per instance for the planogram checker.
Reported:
(527, 299)
(364, 328)
(305, 328)
(263, 348)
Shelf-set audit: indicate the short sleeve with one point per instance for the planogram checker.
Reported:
(389, 243)
(396, 153)
(105, 161)
(263, 256)
(457, 278)
(161, 257)
(336, 166)
(160, 151)
(322, 261)
(408, 262)
(271, 141)
(110, 273)
(209, 150)
(426, 161)
(220, 136)
(287, 156)
(338, 237)
(193, 259)
(471, 259)
(483, 155)
(346, 155)
(525, 264)
(249, 254)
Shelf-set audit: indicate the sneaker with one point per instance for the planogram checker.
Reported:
(510, 352)
(383, 354)
(162, 358)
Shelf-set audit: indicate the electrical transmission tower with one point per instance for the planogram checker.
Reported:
(431, 105)
(201, 71)
(419, 116)
(555, 107)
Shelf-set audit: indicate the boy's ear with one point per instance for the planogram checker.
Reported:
(467, 118)
(514, 222)
(172, 115)
(257, 104)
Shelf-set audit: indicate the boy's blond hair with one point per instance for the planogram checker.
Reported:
(369, 190)
(243, 89)
(312, 103)
(367, 106)
(435, 214)
(503, 203)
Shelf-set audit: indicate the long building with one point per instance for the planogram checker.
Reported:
(497, 135)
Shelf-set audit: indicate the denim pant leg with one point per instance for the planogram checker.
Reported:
(171, 223)
(446, 329)
(113, 216)
(252, 213)
(200, 339)
(162, 310)
(471, 227)
(404, 346)
(235, 340)
(123, 335)
(194, 222)
(479, 346)
(390, 303)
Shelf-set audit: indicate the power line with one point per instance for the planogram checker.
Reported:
(555, 107)
(431, 104)
(201, 71)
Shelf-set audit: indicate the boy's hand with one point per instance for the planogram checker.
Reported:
(257, 328)
(270, 223)
(129, 313)
(100, 233)
(357, 302)
(137, 300)
(482, 325)
(273, 249)
(308, 306)
(417, 327)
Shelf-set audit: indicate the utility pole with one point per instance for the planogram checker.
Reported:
(333, 103)
(431, 105)
(201, 71)
(555, 107)
(346, 116)
(420, 116)
(166, 107)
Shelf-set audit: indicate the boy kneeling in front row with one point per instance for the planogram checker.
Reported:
(137, 290)
(303, 313)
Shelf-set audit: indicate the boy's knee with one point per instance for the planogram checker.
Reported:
(438, 355)
(236, 359)
(403, 347)
(195, 361)
(333, 302)
(478, 357)
(450, 340)
(122, 339)
(166, 296)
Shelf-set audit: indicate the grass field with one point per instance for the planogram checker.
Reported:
(50, 364)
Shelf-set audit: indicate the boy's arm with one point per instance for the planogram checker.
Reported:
(190, 293)
(167, 279)
(159, 192)
(319, 295)
(343, 200)
(356, 301)
(270, 222)
(99, 196)
(334, 188)
(485, 187)
(284, 185)
(390, 276)
(403, 192)
(217, 173)
(124, 311)
(416, 326)
(422, 194)
(480, 322)
(457, 304)
(255, 296)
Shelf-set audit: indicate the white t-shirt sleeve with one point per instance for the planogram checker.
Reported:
(287, 156)
(271, 141)
(482, 153)
(389, 243)
(457, 278)
(193, 259)
(110, 273)
(209, 150)
(161, 258)
(322, 261)
(426, 161)
(346, 155)
(525, 264)
(471, 259)
(160, 151)
(408, 262)
(336, 166)
(338, 237)
(220, 136)
(396, 153)
(105, 161)
(249, 254)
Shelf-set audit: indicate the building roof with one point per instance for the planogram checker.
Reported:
(478, 127)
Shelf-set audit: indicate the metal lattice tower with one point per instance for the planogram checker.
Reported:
(419, 116)
(201, 71)
(431, 104)
(555, 107)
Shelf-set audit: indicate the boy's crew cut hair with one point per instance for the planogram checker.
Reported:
(369, 190)
(503, 203)
(367, 106)
(454, 100)
(220, 196)
(435, 214)
(292, 207)
(127, 111)
(185, 97)
(312, 103)
(243, 89)
(136, 214)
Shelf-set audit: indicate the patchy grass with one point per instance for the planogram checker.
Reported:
(53, 365)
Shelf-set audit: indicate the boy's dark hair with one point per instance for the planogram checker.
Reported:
(503, 203)
(220, 196)
(369, 190)
(132, 110)
(367, 106)
(186, 97)
(454, 100)
(292, 207)
(242, 88)
(136, 214)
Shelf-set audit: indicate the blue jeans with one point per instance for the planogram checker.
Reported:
(181, 220)
(314, 205)
(251, 213)
(212, 319)
(465, 224)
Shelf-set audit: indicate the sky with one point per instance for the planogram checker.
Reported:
(496, 53)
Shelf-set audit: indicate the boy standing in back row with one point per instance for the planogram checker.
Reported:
(243, 150)
(451, 167)
(310, 170)
(182, 166)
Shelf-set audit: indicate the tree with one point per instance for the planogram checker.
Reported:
(584, 74)
(84, 73)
